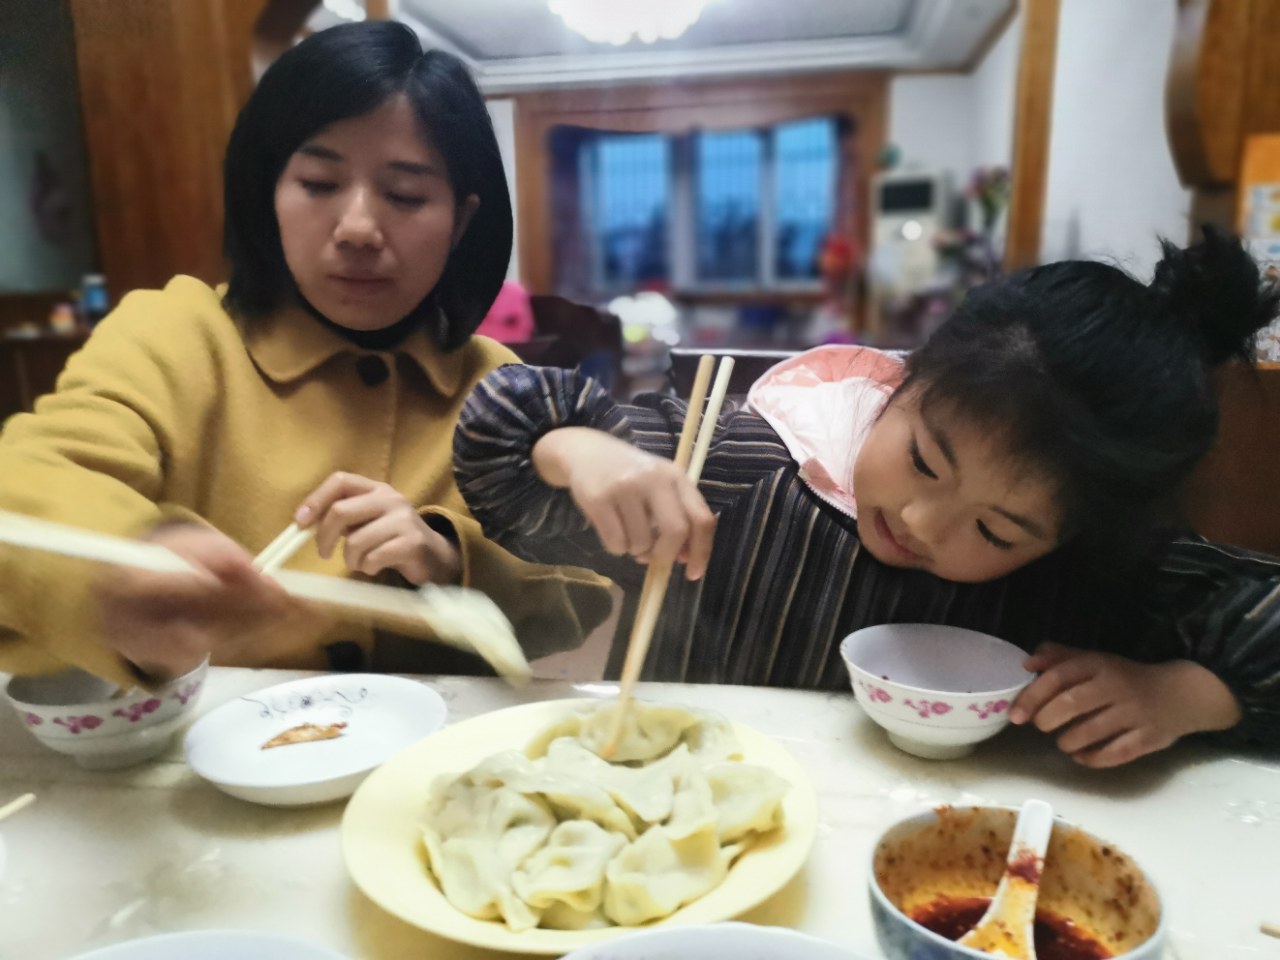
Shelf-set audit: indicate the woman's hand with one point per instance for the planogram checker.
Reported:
(382, 530)
(1108, 710)
(638, 504)
(166, 624)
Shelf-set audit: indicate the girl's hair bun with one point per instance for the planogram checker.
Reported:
(1214, 288)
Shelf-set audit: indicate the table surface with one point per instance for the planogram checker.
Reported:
(106, 857)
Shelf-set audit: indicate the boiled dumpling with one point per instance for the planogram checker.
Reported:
(658, 874)
(559, 837)
(570, 868)
(748, 799)
(645, 793)
(476, 837)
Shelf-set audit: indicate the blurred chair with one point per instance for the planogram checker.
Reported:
(1233, 496)
(748, 367)
(574, 336)
(29, 366)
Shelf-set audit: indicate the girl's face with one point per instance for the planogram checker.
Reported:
(936, 495)
(368, 217)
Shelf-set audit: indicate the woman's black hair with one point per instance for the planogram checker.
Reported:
(1097, 382)
(344, 72)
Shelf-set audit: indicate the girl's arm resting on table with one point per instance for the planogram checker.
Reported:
(1206, 659)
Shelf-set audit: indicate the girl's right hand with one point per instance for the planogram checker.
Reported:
(638, 504)
(166, 624)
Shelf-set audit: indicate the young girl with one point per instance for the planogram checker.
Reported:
(1003, 480)
(368, 229)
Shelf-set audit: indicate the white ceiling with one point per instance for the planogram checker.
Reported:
(520, 44)
(488, 30)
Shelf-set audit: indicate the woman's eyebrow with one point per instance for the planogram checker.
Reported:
(419, 169)
(320, 153)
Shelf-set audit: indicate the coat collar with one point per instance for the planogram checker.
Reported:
(290, 343)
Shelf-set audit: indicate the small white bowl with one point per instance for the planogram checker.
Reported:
(741, 941)
(75, 713)
(937, 690)
(382, 714)
(214, 945)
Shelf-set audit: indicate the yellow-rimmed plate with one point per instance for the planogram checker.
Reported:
(382, 838)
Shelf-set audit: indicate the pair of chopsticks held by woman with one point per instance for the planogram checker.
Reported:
(1005, 477)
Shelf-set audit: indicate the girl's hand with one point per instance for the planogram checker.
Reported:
(638, 504)
(166, 624)
(382, 529)
(1109, 710)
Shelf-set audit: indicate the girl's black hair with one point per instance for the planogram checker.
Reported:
(1099, 383)
(344, 72)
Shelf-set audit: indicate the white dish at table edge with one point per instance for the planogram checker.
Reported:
(214, 945)
(733, 941)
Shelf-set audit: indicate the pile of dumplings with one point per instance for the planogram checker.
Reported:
(558, 837)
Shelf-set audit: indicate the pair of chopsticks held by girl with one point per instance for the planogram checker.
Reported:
(1005, 477)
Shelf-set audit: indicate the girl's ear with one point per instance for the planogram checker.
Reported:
(466, 210)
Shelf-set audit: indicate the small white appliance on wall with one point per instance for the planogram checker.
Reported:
(908, 210)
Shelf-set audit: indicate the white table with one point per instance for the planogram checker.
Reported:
(104, 857)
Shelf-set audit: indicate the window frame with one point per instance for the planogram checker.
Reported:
(682, 222)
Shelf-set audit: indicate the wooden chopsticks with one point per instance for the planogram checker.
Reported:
(13, 806)
(455, 615)
(280, 550)
(692, 456)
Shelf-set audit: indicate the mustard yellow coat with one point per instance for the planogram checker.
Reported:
(174, 407)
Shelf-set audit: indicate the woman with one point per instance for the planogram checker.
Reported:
(368, 229)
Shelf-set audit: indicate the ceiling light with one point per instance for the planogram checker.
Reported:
(621, 21)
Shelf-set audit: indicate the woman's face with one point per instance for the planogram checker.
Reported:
(935, 494)
(368, 217)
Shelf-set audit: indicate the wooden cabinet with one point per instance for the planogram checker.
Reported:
(29, 367)
(161, 83)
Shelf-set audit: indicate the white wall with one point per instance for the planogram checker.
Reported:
(40, 114)
(995, 89)
(1112, 187)
(957, 122)
(503, 114)
(931, 120)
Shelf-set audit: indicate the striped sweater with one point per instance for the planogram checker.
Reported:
(788, 578)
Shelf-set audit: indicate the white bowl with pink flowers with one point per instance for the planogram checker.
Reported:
(100, 726)
(937, 690)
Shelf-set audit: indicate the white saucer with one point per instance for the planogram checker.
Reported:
(214, 945)
(742, 941)
(383, 715)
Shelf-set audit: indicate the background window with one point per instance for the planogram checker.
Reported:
(804, 184)
(742, 210)
(727, 227)
(628, 198)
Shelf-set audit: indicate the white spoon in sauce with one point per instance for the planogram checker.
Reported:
(1005, 930)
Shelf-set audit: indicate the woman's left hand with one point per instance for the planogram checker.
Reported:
(1108, 710)
(381, 528)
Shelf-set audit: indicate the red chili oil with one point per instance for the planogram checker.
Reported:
(1056, 938)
